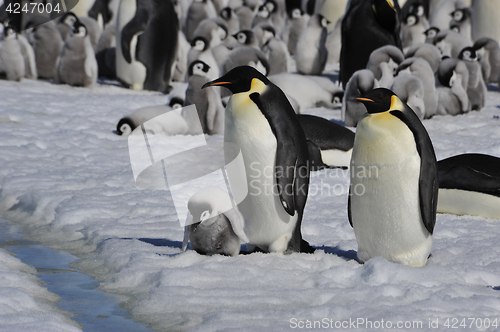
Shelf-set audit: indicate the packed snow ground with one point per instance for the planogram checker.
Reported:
(67, 177)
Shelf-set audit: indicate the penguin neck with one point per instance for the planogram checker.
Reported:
(240, 102)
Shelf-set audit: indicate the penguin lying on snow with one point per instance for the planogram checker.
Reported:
(330, 144)
(470, 184)
(394, 182)
(261, 122)
(214, 225)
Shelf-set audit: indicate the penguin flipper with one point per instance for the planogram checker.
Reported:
(428, 184)
(291, 160)
(136, 26)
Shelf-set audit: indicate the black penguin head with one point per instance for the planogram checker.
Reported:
(245, 37)
(79, 30)
(454, 27)
(125, 126)
(263, 12)
(176, 102)
(377, 100)
(271, 6)
(199, 68)
(461, 14)
(226, 13)
(411, 19)
(482, 42)
(239, 79)
(468, 54)
(432, 32)
(9, 32)
(319, 20)
(200, 43)
(295, 13)
(69, 19)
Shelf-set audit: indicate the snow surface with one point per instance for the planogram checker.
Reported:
(67, 178)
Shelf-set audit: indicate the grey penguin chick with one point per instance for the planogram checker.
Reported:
(293, 28)
(462, 20)
(476, 88)
(452, 94)
(450, 43)
(384, 62)
(11, 57)
(428, 52)
(311, 53)
(410, 90)
(489, 58)
(47, 45)
(77, 64)
(277, 54)
(360, 82)
(214, 225)
(208, 102)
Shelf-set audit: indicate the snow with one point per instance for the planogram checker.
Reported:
(67, 178)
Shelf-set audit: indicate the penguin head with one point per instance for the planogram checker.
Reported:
(245, 37)
(125, 127)
(239, 79)
(199, 43)
(69, 19)
(9, 33)
(461, 14)
(263, 12)
(468, 54)
(176, 103)
(271, 6)
(431, 33)
(379, 100)
(199, 68)
(411, 20)
(296, 13)
(417, 9)
(79, 30)
(318, 20)
(226, 13)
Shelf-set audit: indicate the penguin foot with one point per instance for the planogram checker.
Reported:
(305, 247)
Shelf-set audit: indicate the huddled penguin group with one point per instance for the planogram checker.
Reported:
(252, 66)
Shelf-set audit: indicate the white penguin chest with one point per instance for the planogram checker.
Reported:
(385, 205)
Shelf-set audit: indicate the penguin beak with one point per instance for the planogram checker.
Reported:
(216, 83)
(363, 99)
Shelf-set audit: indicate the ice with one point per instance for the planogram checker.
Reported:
(67, 178)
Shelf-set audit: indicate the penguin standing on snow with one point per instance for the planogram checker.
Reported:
(77, 64)
(394, 182)
(476, 88)
(263, 125)
(367, 25)
(311, 52)
(489, 53)
(47, 45)
(11, 57)
(146, 44)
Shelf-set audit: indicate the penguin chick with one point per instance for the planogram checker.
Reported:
(65, 25)
(47, 45)
(28, 53)
(421, 69)
(450, 43)
(452, 94)
(361, 82)
(470, 184)
(476, 88)
(410, 90)
(296, 23)
(277, 55)
(214, 31)
(440, 16)
(231, 19)
(311, 53)
(214, 225)
(175, 124)
(430, 34)
(489, 58)
(428, 52)
(11, 57)
(263, 32)
(247, 38)
(77, 65)
(414, 30)
(393, 210)
(262, 124)
(330, 144)
(384, 62)
(245, 16)
(200, 50)
(246, 56)
(208, 102)
(462, 18)
(197, 12)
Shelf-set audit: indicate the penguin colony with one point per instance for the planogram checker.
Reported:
(265, 61)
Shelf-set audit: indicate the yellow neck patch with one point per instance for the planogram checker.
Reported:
(240, 102)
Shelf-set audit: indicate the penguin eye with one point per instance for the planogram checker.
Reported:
(242, 38)
(458, 15)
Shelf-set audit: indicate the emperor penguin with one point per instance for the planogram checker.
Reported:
(231, 19)
(311, 53)
(428, 52)
(489, 52)
(263, 32)
(197, 12)
(295, 24)
(470, 184)
(214, 225)
(146, 44)
(208, 102)
(462, 19)
(11, 57)
(413, 30)
(277, 54)
(213, 29)
(77, 64)
(330, 144)
(410, 90)
(262, 124)
(200, 50)
(394, 182)
(47, 45)
(65, 24)
(384, 62)
(430, 34)
(421, 8)
(440, 16)
(247, 38)
(245, 16)
(476, 88)
(29, 57)
(381, 26)
(450, 43)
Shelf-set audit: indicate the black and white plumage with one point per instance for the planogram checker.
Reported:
(263, 125)
(413, 31)
(296, 23)
(214, 225)
(393, 208)
(489, 52)
(462, 22)
(476, 88)
(366, 26)
(430, 34)
(470, 184)
(453, 77)
(11, 56)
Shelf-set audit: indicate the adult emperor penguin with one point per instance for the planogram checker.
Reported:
(380, 27)
(394, 182)
(470, 184)
(214, 226)
(146, 44)
(77, 64)
(263, 125)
